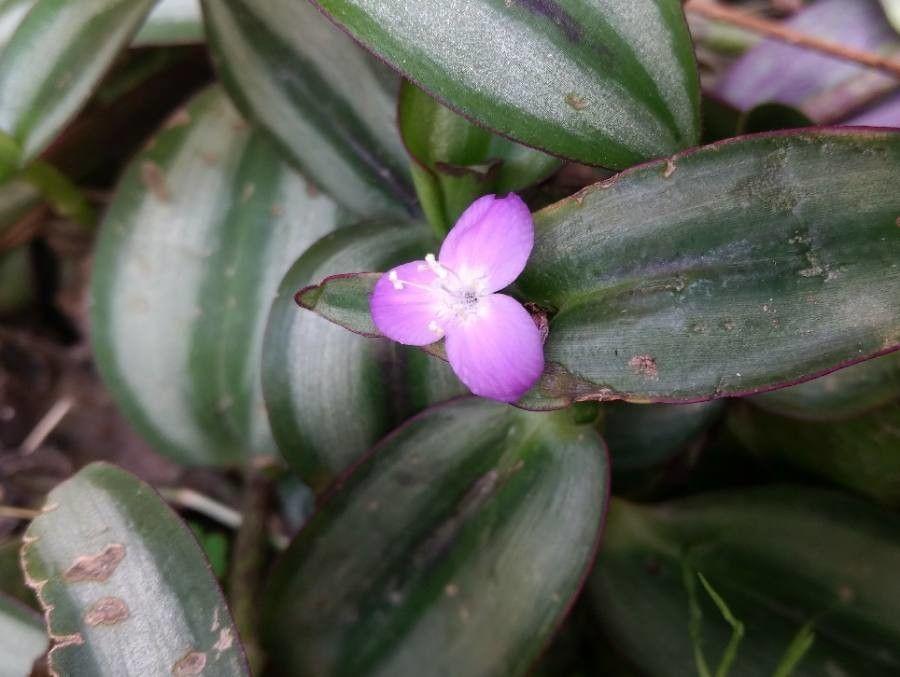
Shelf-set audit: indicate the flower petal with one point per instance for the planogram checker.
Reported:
(407, 314)
(492, 239)
(498, 353)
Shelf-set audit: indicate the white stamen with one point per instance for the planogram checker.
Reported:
(392, 276)
(433, 326)
(436, 267)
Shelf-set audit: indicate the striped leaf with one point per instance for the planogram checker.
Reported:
(11, 14)
(861, 453)
(317, 377)
(727, 270)
(604, 82)
(203, 226)
(330, 105)
(779, 557)
(172, 22)
(453, 550)
(646, 441)
(840, 395)
(124, 585)
(53, 61)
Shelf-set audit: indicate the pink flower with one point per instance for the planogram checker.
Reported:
(493, 344)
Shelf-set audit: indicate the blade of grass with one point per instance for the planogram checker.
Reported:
(796, 650)
(737, 628)
(696, 619)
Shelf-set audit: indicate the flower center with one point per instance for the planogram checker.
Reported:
(456, 297)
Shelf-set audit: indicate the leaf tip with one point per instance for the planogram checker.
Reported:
(308, 296)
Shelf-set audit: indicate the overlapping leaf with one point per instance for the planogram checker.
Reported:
(454, 549)
(172, 22)
(327, 102)
(606, 83)
(51, 63)
(861, 453)
(841, 395)
(330, 393)
(779, 557)
(455, 161)
(204, 225)
(125, 587)
(730, 269)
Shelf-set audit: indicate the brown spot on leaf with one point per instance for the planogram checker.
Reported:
(575, 101)
(154, 180)
(60, 641)
(670, 168)
(192, 663)
(846, 594)
(226, 639)
(645, 365)
(96, 567)
(106, 611)
(179, 118)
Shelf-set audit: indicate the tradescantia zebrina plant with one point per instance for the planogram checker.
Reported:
(449, 305)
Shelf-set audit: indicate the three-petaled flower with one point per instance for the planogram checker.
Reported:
(492, 343)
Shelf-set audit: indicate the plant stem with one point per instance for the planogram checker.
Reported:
(778, 31)
(13, 512)
(247, 562)
(194, 500)
(47, 424)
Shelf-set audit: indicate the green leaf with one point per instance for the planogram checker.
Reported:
(329, 104)
(318, 377)
(606, 83)
(842, 394)
(11, 14)
(17, 198)
(12, 583)
(646, 441)
(53, 61)
(661, 292)
(795, 652)
(124, 585)
(781, 556)
(457, 545)
(641, 436)
(892, 10)
(10, 155)
(17, 281)
(59, 191)
(459, 161)
(203, 226)
(737, 628)
(768, 117)
(172, 22)
(22, 638)
(861, 453)
(726, 270)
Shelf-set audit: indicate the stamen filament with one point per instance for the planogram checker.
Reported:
(399, 284)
